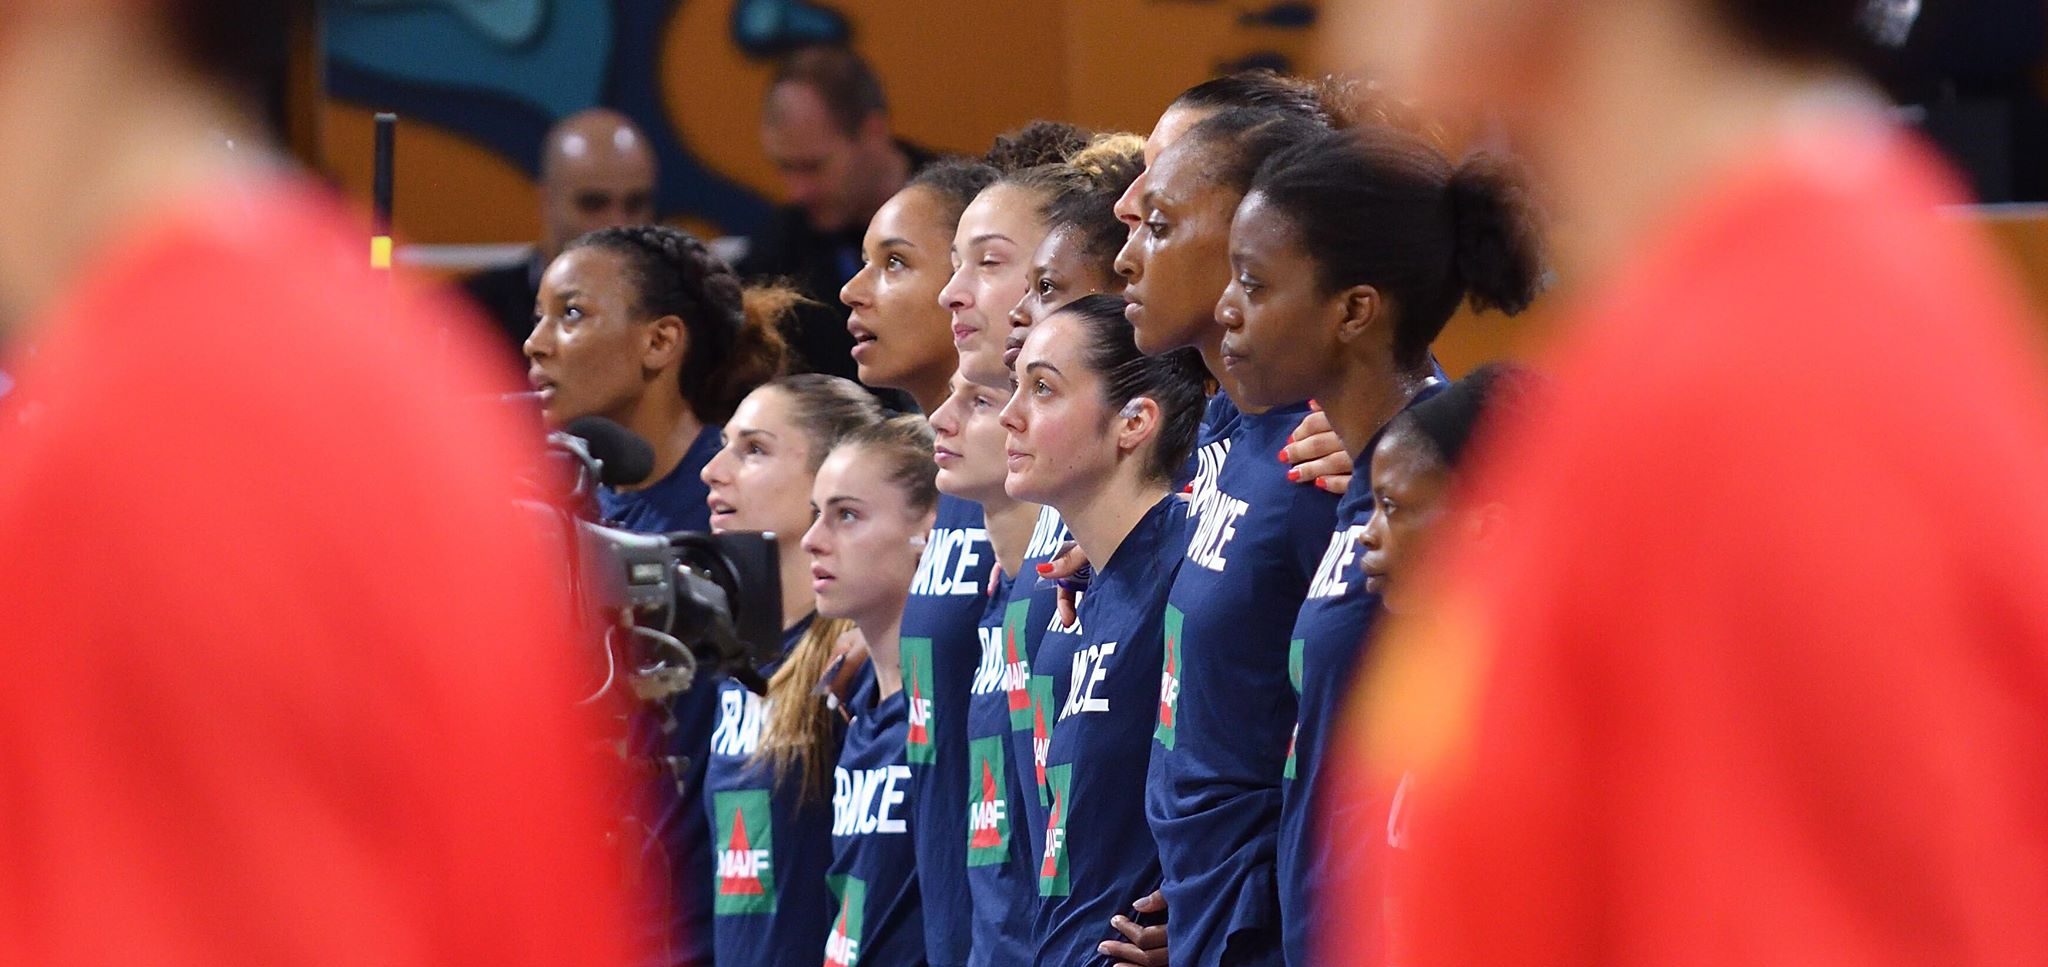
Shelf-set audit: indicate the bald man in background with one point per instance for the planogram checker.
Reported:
(596, 171)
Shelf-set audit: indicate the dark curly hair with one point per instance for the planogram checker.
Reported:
(735, 340)
(1037, 143)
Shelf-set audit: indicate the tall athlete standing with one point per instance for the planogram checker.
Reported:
(1000, 876)
(1227, 706)
(1081, 240)
(1350, 254)
(1097, 430)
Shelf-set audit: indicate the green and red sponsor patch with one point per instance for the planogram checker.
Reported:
(1053, 877)
(1169, 679)
(988, 810)
(919, 747)
(843, 944)
(1294, 672)
(746, 875)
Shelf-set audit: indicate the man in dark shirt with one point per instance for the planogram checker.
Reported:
(596, 171)
(825, 125)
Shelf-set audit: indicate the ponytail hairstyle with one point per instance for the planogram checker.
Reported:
(796, 739)
(1382, 207)
(1173, 380)
(735, 336)
(905, 445)
(1444, 422)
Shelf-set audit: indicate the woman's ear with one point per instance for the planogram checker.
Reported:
(668, 341)
(1362, 309)
(1136, 423)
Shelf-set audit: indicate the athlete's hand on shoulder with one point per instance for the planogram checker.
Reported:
(1316, 455)
(1142, 946)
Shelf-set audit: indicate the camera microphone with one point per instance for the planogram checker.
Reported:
(622, 457)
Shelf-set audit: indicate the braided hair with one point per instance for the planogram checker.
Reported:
(735, 343)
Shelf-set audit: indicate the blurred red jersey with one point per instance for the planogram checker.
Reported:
(1759, 673)
(283, 678)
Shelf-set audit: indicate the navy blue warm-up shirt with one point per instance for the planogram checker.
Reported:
(1099, 855)
(941, 649)
(1329, 637)
(1227, 705)
(770, 903)
(879, 920)
(1000, 876)
(1031, 613)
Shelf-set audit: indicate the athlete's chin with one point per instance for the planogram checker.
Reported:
(1022, 484)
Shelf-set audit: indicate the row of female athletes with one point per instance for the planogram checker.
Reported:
(1150, 365)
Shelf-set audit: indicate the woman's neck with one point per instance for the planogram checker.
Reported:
(1101, 520)
(881, 631)
(1370, 395)
(797, 601)
(1009, 524)
(1654, 67)
(667, 423)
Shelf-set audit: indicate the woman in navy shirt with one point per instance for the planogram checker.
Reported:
(1000, 879)
(875, 500)
(644, 326)
(647, 328)
(1098, 430)
(1350, 253)
(768, 783)
(1227, 709)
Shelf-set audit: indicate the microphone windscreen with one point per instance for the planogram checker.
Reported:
(627, 458)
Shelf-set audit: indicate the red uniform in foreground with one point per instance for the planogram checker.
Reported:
(1759, 673)
(283, 678)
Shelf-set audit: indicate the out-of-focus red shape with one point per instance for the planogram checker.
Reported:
(1759, 674)
(284, 677)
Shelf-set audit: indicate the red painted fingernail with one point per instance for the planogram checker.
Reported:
(1045, 568)
(1283, 454)
(1313, 405)
(1294, 476)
